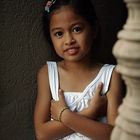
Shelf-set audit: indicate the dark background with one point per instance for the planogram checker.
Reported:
(23, 50)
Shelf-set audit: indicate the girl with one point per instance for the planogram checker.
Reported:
(74, 115)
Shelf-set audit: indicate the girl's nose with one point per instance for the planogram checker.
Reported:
(69, 39)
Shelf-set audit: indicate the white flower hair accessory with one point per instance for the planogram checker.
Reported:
(49, 4)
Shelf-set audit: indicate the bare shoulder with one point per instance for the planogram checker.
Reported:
(43, 81)
(116, 85)
(114, 96)
(42, 106)
(43, 71)
(116, 80)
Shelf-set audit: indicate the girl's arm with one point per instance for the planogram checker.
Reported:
(44, 128)
(91, 128)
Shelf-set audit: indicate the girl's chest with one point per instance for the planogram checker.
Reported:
(75, 82)
(77, 101)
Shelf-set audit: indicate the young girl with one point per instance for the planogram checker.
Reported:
(69, 100)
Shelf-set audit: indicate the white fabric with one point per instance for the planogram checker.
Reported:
(77, 100)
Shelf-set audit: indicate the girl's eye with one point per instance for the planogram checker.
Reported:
(77, 29)
(58, 34)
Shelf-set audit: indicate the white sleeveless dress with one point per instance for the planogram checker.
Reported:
(77, 100)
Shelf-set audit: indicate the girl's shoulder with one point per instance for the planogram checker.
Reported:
(44, 68)
(43, 71)
(106, 67)
(47, 68)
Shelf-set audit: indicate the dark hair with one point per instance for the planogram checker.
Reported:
(83, 8)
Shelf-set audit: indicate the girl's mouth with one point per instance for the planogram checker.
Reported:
(72, 50)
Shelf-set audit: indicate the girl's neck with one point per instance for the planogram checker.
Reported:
(77, 65)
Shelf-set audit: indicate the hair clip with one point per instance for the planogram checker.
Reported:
(49, 4)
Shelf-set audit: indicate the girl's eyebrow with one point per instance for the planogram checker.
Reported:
(77, 23)
(73, 24)
(56, 28)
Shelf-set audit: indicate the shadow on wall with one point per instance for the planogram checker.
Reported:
(23, 50)
(112, 15)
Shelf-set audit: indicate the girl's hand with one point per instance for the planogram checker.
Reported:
(58, 106)
(97, 106)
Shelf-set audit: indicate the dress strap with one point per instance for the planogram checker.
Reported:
(106, 77)
(103, 76)
(53, 79)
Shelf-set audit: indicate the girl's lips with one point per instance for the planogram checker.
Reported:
(72, 50)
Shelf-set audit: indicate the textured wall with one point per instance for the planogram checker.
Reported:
(23, 50)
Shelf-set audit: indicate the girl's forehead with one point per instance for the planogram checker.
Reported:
(65, 14)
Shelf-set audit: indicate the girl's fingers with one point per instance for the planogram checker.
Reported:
(52, 101)
(99, 89)
(62, 98)
(61, 95)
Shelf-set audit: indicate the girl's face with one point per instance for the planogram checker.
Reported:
(71, 35)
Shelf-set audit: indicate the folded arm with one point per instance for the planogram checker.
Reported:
(90, 128)
(46, 129)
